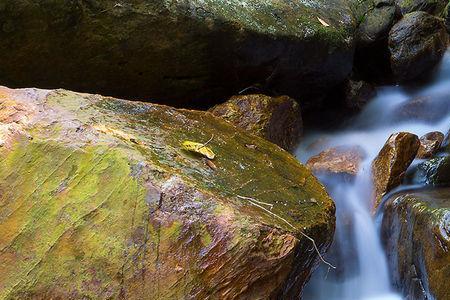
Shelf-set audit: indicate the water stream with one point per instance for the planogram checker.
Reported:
(362, 271)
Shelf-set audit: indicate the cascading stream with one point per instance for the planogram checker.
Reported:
(362, 271)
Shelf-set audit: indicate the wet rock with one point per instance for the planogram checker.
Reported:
(207, 51)
(358, 94)
(342, 160)
(446, 142)
(99, 200)
(376, 22)
(433, 172)
(430, 144)
(389, 167)
(277, 119)
(372, 57)
(417, 44)
(416, 235)
(423, 108)
(434, 7)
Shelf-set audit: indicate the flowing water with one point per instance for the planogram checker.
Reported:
(362, 271)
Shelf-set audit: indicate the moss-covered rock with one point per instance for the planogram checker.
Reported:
(98, 200)
(277, 119)
(416, 234)
(434, 7)
(184, 52)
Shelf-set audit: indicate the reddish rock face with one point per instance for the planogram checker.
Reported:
(277, 119)
(342, 160)
(98, 200)
(430, 144)
(389, 167)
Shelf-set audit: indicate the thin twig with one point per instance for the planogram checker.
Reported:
(255, 203)
(254, 200)
(209, 141)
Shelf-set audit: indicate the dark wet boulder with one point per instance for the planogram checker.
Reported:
(342, 161)
(372, 57)
(357, 94)
(389, 167)
(434, 7)
(277, 119)
(188, 53)
(376, 22)
(100, 200)
(416, 235)
(417, 44)
(430, 144)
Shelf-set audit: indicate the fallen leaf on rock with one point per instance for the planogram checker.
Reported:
(323, 22)
(198, 148)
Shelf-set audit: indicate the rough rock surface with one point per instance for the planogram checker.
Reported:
(207, 49)
(434, 7)
(389, 167)
(417, 44)
(343, 160)
(358, 94)
(277, 119)
(430, 144)
(98, 200)
(416, 235)
(376, 22)
(433, 172)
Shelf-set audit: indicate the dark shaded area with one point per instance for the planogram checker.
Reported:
(182, 56)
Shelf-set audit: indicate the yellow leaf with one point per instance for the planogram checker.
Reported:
(198, 148)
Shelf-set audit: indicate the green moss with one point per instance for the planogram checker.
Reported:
(79, 217)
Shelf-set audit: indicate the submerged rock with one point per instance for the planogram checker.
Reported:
(423, 109)
(188, 52)
(417, 44)
(277, 119)
(430, 144)
(416, 235)
(389, 167)
(434, 7)
(99, 200)
(343, 160)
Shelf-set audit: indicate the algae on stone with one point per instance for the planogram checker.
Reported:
(98, 200)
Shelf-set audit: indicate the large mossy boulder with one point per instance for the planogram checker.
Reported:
(417, 44)
(434, 7)
(416, 234)
(98, 200)
(179, 52)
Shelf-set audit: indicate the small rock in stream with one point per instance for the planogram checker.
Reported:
(389, 167)
(430, 144)
(342, 160)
